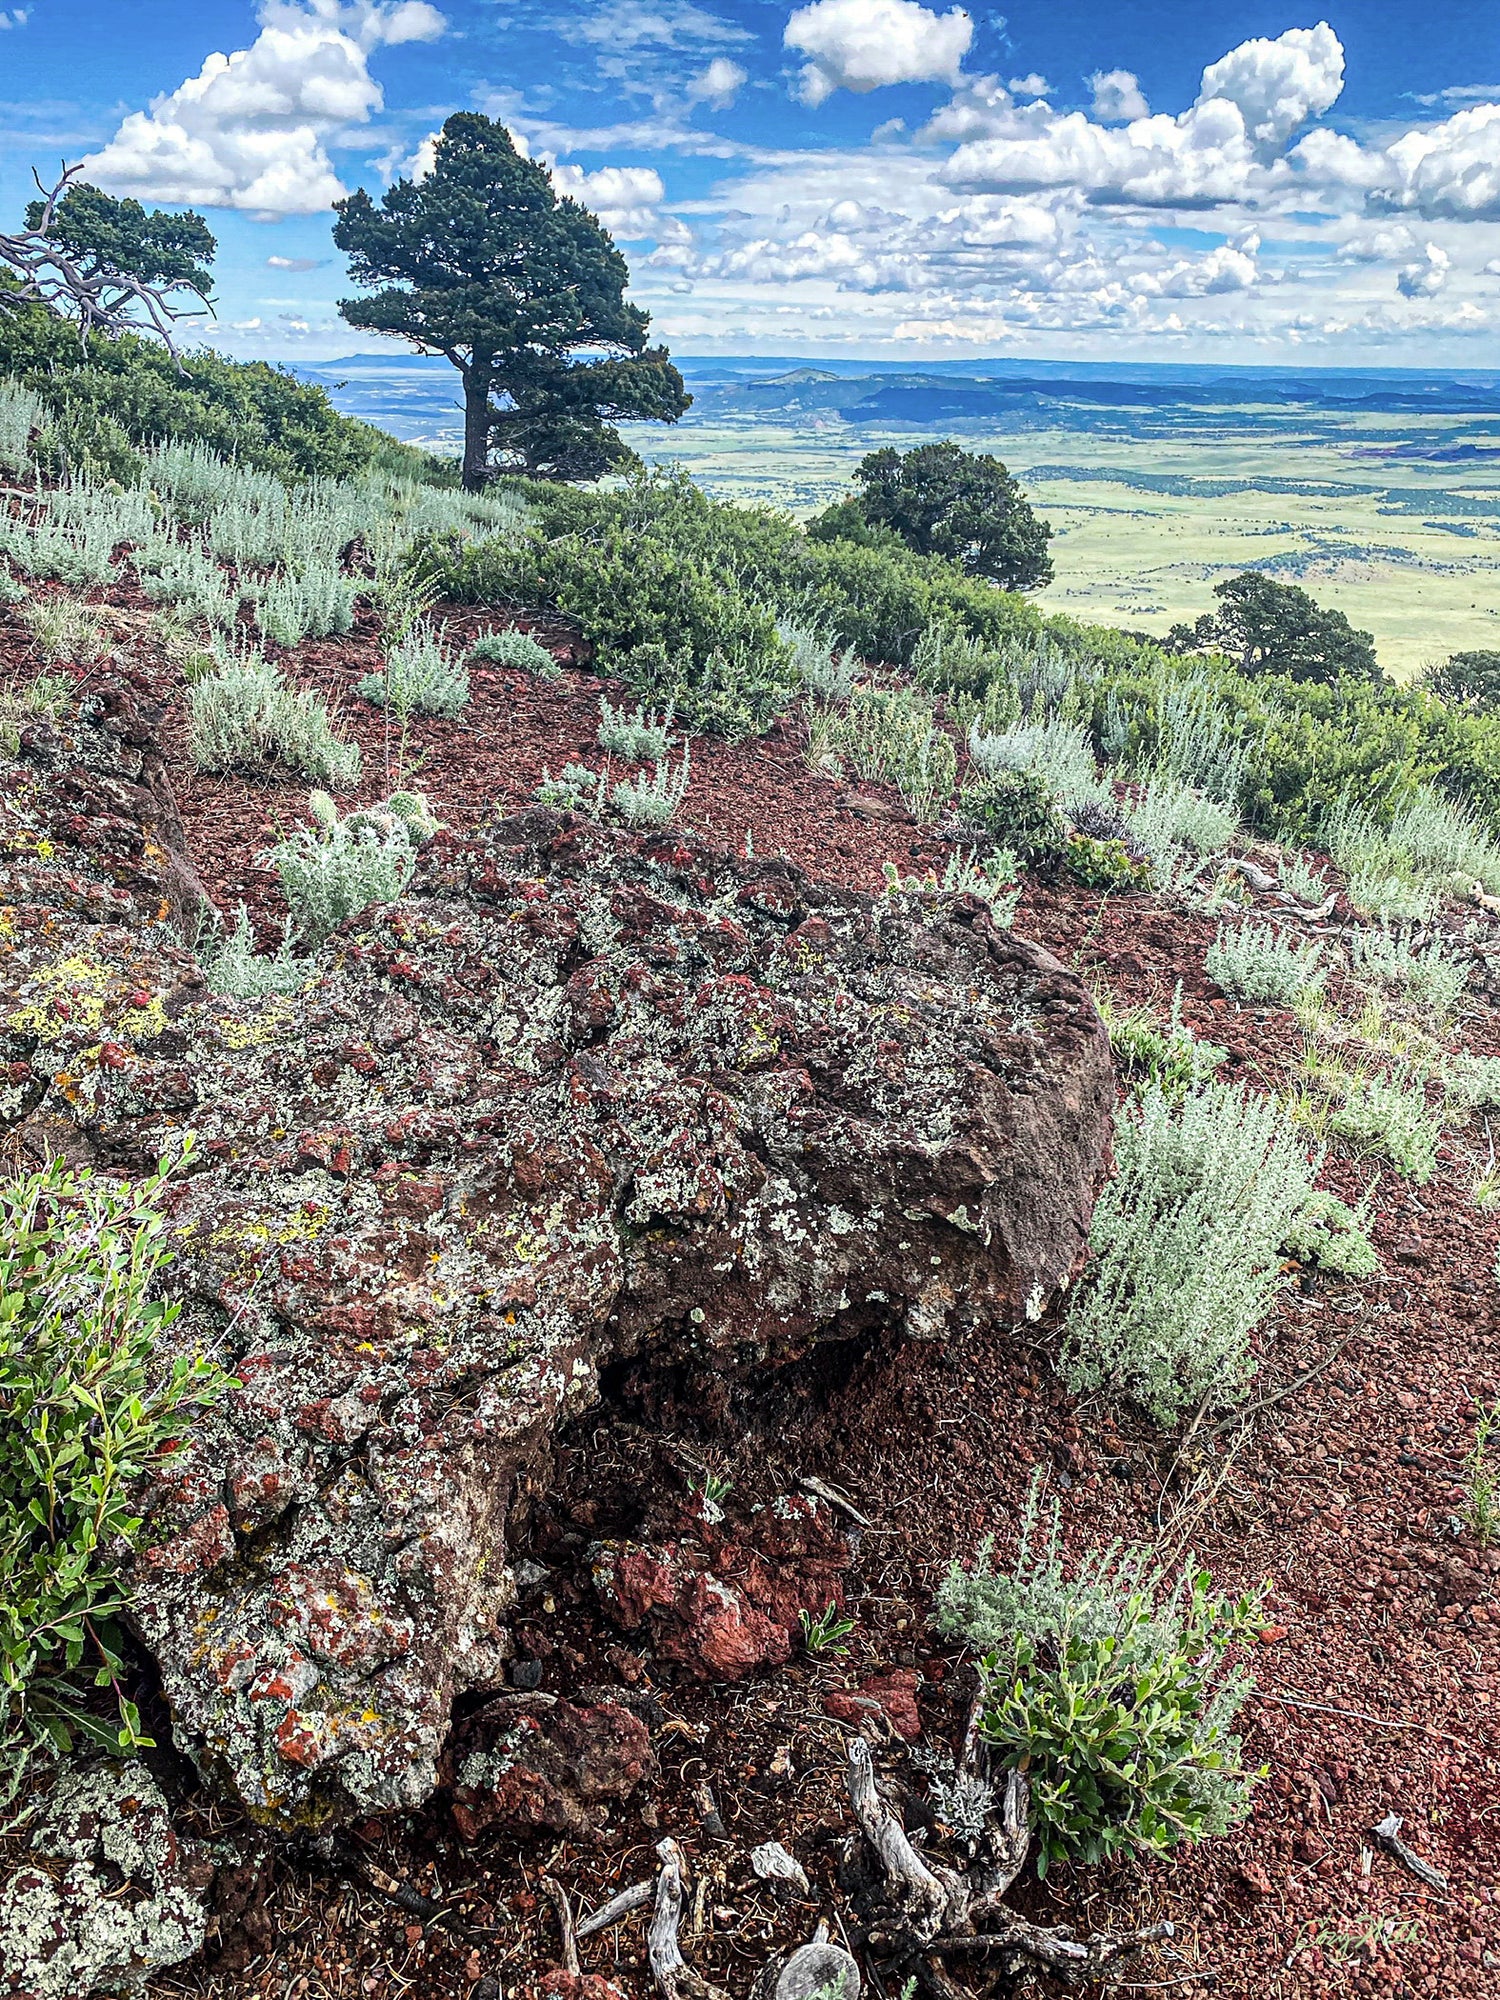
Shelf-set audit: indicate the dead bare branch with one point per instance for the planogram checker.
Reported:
(103, 301)
(1387, 1835)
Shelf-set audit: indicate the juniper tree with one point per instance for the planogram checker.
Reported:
(523, 291)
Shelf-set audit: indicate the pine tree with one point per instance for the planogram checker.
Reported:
(482, 261)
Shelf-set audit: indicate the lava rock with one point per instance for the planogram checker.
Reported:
(581, 1097)
(553, 1769)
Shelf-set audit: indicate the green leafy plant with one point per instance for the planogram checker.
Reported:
(1166, 1054)
(89, 1405)
(44, 695)
(1104, 864)
(1260, 965)
(1112, 1688)
(1017, 807)
(827, 1632)
(1187, 1247)
(891, 734)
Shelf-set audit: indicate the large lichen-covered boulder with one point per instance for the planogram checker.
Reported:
(581, 1095)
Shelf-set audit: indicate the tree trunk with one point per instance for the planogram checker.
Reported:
(476, 422)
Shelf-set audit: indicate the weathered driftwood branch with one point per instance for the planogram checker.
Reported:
(918, 1912)
(1387, 1835)
(104, 301)
(564, 1909)
(636, 1897)
(674, 1977)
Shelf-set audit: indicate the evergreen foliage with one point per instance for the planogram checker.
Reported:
(943, 501)
(481, 261)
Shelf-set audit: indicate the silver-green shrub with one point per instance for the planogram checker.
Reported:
(189, 575)
(575, 789)
(1390, 1116)
(655, 801)
(421, 677)
(1259, 964)
(313, 602)
(234, 966)
(80, 553)
(509, 648)
(826, 665)
(1425, 974)
(337, 867)
(1167, 816)
(634, 734)
(991, 877)
(22, 411)
(1058, 751)
(246, 716)
(1186, 1240)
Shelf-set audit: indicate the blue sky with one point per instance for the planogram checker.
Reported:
(1144, 180)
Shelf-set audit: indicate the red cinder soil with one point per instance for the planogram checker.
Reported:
(1377, 1675)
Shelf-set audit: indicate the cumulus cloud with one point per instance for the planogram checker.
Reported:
(250, 130)
(1249, 105)
(863, 45)
(1278, 86)
(1117, 96)
(1031, 86)
(1425, 278)
(623, 198)
(717, 85)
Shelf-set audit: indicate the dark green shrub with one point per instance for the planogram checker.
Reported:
(260, 416)
(961, 505)
(1472, 678)
(1018, 809)
(1104, 864)
(86, 1406)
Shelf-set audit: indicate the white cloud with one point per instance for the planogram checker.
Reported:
(717, 85)
(644, 24)
(295, 263)
(1425, 279)
(14, 17)
(1218, 151)
(1117, 96)
(863, 45)
(1031, 86)
(1278, 86)
(249, 131)
(623, 198)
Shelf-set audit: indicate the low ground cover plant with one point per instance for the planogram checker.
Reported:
(337, 867)
(63, 627)
(1152, 1052)
(245, 716)
(1424, 974)
(991, 877)
(1017, 809)
(1262, 966)
(1333, 1237)
(234, 965)
(90, 1399)
(1186, 1242)
(634, 734)
(1113, 1687)
(507, 647)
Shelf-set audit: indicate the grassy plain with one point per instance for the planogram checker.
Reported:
(1408, 548)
